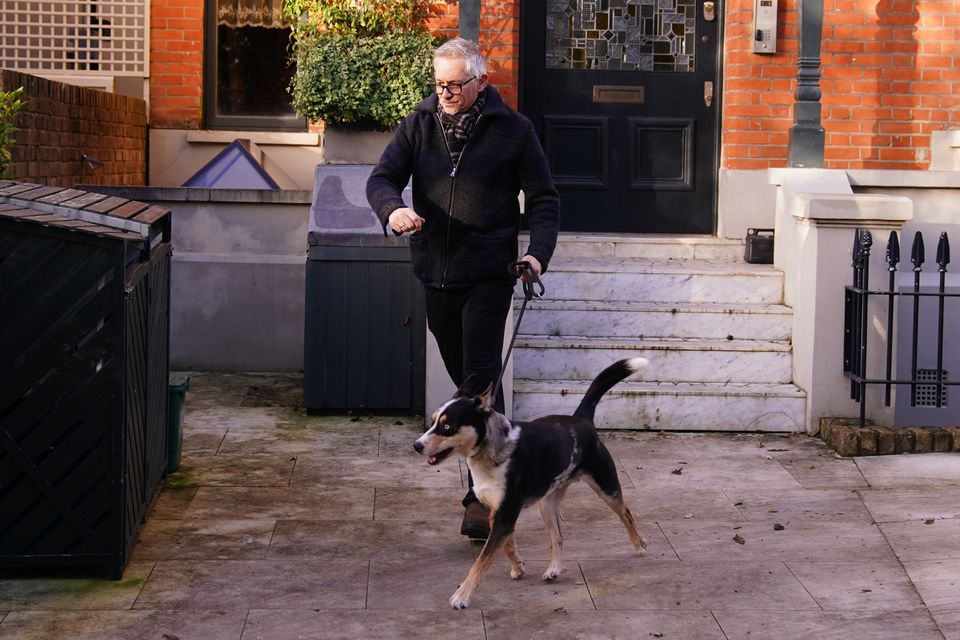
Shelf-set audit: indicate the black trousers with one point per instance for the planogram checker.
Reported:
(468, 325)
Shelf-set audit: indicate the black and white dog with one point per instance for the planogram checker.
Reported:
(516, 464)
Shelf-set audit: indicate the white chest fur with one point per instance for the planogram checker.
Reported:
(489, 482)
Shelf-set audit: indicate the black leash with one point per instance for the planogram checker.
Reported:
(518, 269)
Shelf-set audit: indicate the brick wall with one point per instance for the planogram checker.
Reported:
(60, 123)
(891, 76)
(176, 63)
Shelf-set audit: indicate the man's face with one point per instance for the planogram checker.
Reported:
(454, 70)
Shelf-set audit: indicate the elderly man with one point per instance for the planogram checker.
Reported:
(470, 155)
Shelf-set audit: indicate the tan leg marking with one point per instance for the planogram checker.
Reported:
(620, 508)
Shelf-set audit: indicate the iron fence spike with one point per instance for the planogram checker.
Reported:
(943, 251)
(893, 251)
(916, 253)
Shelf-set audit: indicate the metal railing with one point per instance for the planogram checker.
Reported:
(856, 313)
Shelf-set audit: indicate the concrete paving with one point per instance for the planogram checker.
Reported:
(285, 526)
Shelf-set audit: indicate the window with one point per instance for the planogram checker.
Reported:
(246, 67)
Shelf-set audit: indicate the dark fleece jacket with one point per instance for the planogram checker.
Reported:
(472, 214)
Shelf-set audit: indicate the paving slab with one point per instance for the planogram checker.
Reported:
(202, 442)
(416, 503)
(929, 539)
(381, 540)
(898, 505)
(911, 469)
(201, 539)
(938, 582)
(824, 470)
(704, 540)
(71, 590)
(123, 625)
(363, 625)
(261, 584)
(726, 473)
(253, 470)
(318, 436)
(855, 585)
(696, 586)
(218, 416)
(173, 502)
(313, 469)
(949, 623)
(827, 625)
(428, 586)
(600, 625)
(274, 503)
(814, 505)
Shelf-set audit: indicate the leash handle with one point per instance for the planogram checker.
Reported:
(524, 268)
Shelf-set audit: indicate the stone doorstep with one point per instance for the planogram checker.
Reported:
(848, 438)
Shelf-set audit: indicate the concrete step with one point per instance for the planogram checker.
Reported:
(665, 281)
(589, 245)
(707, 361)
(567, 318)
(671, 406)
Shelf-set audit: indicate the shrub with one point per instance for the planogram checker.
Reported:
(362, 18)
(370, 82)
(10, 105)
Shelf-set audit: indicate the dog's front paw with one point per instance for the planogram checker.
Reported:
(459, 600)
(518, 571)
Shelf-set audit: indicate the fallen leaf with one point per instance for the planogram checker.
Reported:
(866, 590)
(760, 445)
(687, 516)
(928, 521)
(677, 471)
(778, 527)
(738, 539)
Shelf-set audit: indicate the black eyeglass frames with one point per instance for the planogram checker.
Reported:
(455, 88)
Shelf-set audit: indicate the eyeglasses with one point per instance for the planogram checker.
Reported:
(455, 88)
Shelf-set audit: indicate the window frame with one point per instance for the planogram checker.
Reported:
(211, 119)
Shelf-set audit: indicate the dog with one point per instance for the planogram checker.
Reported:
(517, 464)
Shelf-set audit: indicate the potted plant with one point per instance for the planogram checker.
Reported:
(361, 64)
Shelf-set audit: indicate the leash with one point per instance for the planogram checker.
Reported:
(518, 269)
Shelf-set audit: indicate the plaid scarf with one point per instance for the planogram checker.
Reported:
(457, 127)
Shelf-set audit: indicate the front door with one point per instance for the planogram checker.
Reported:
(623, 94)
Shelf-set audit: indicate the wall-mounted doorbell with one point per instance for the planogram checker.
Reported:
(764, 26)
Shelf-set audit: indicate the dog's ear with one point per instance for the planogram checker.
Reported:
(484, 401)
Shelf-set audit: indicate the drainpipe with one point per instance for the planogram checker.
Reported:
(469, 19)
(806, 134)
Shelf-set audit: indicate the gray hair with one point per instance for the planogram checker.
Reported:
(466, 50)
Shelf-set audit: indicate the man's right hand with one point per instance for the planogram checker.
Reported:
(405, 220)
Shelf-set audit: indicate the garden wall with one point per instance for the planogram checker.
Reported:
(60, 123)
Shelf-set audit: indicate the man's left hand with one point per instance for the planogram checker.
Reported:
(534, 264)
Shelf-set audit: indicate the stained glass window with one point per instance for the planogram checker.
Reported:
(627, 35)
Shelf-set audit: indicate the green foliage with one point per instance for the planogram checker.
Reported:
(362, 18)
(364, 81)
(10, 105)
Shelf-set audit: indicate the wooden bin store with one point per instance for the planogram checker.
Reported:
(84, 366)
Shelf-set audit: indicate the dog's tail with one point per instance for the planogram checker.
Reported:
(604, 382)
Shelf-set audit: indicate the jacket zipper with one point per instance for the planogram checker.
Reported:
(453, 187)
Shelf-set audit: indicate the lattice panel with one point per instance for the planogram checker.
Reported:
(106, 37)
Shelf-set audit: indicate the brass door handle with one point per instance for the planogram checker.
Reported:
(709, 11)
(708, 93)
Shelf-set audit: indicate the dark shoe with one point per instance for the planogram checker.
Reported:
(476, 521)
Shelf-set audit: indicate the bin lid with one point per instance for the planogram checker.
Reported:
(339, 212)
(76, 210)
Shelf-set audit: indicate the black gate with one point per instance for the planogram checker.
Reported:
(856, 315)
(84, 288)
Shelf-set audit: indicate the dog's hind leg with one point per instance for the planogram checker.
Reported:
(517, 564)
(602, 478)
(550, 512)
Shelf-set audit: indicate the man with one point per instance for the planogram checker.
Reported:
(470, 155)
